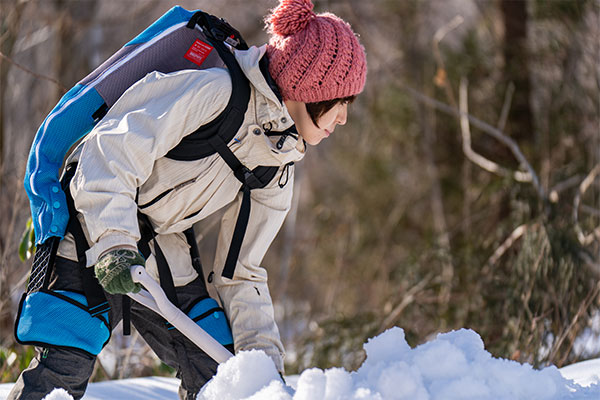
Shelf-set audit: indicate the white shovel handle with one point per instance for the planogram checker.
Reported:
(155, 299)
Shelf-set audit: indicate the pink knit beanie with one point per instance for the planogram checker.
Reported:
(313, 57)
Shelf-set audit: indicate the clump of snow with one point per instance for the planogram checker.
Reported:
(454, 366)
(250, 373)
(584, 373)
(58, 394)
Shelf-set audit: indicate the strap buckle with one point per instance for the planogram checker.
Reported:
(220, 30)
(249, 178)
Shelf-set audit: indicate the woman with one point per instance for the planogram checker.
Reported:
(318, 66)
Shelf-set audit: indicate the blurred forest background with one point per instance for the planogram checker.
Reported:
(463, 192)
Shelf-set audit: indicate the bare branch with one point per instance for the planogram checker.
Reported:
(476, 158)
(584, 307)
(406, 300)
(437, 38)
(483, 162)
(128, 352)
(507, 244)
(437, 205)
(32, 39)
(39, 76)
(485, 127)
(590, 210)
(564, 185)
(20, 284)
(510, 90)
(583, 187)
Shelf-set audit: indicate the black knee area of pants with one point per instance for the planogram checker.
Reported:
(69, 369)
(195, 366)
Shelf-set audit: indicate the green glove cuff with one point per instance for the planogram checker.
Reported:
(113, 271)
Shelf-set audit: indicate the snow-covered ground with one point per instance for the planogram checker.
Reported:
(453, 366)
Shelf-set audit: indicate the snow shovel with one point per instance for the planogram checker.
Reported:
(155, 299)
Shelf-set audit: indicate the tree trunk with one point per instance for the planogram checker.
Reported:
(516, 68)
(9, 28)
(11, 13)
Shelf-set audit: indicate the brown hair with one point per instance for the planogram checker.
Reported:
(316, 110)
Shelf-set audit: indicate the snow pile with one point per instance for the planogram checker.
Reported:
(248, 373)
(585, 373)
(453, 366)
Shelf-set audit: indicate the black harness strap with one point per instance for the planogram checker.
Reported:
(164, 272)
(97, 303)
(206, 140)
(238, 235)
(126, 306)
(94, 294)
(194, 252)
(215, 135)
(250, 180)
(195, 146)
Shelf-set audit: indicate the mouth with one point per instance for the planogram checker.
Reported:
(327, 133)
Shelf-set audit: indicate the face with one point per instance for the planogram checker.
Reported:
(326, 124)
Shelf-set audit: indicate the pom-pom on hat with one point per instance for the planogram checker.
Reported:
(313, 57)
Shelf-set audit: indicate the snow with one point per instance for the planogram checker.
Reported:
(247, 375)
(584, 373)
(453, 366)
(58, 394)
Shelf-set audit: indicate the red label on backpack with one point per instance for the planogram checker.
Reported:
(198, 52)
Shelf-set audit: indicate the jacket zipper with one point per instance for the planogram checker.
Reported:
(166, 192)
(284, 135)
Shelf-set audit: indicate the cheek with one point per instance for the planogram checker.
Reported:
(306, 124)
(327, 119)
(307, 129)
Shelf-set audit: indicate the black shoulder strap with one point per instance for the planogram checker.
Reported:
(214, 136)
(196, 145)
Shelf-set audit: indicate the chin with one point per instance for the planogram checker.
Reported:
(314, 141)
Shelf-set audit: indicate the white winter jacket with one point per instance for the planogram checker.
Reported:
(126, 151)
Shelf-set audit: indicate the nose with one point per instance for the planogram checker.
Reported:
(342, 115)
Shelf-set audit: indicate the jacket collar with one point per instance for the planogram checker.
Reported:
(275, 113)
(249, 62)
